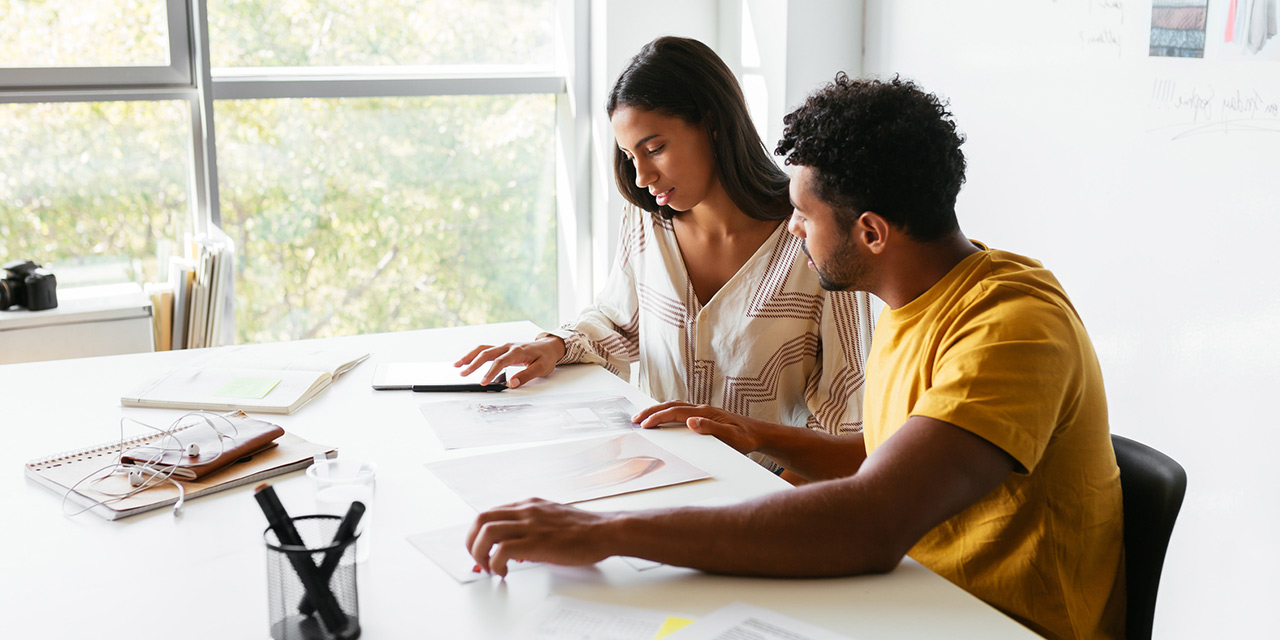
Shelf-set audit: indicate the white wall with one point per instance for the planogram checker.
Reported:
(823, 37)
(1151, 187)
(618, 29)
(1148, 185)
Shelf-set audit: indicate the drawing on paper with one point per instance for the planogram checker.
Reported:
(467, 423)
(570, 471)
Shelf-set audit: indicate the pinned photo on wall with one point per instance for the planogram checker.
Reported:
(1249, 29)
(1178, 28)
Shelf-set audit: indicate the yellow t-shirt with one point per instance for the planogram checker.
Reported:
(997, 349)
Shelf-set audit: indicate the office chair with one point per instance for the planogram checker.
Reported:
(1153, 485)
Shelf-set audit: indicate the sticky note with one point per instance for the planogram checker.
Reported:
(255, 388)
(671, 626)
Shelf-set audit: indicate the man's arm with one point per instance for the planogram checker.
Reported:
(806, 453)
(927, 472)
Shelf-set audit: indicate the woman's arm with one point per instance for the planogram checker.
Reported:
(608, 332)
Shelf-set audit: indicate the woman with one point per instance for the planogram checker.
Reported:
(709, 292)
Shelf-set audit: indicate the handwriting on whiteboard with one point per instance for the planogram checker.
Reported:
(1191, 109)
(1098, 23)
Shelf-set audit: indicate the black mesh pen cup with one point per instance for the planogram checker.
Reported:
(311, 589)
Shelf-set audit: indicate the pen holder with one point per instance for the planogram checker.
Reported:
(293, 610)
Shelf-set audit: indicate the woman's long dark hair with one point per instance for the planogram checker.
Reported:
(686, 79)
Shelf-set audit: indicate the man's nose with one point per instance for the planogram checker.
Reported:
(794, 226)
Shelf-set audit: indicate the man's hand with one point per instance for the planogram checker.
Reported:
(540, 531)
(740, 432)
(539, 356)
(808, 454)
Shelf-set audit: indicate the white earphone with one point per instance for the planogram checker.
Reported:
(143, 476)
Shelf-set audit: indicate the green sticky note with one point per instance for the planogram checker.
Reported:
(255, 388)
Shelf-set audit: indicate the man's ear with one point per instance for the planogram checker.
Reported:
(873, 231)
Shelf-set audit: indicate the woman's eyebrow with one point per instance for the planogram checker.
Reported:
(641, 141)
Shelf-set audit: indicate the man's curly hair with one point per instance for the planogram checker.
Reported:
(882, 146)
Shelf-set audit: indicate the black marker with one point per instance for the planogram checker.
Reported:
(341, 540)
(316, 589)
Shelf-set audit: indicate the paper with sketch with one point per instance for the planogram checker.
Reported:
(485, 421)
(561, 617)
(565, 471)
(448, 549)
(740, 621)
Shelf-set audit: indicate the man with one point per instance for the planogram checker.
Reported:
(985, 452)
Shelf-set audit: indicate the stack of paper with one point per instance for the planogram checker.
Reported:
(203, 293)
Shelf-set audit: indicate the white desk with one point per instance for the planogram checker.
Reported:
(87, 577)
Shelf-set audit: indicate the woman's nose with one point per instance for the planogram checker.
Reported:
(645, 175)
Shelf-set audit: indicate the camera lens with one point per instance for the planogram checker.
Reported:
(6, 300)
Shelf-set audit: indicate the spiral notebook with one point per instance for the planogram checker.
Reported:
(61, 471)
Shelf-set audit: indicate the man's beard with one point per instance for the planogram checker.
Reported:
(844, 271)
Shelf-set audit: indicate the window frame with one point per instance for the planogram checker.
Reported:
(189, 77)
(177, 72)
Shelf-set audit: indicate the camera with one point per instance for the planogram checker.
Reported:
(27, 284)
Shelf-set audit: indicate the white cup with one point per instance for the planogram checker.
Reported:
(340, 482)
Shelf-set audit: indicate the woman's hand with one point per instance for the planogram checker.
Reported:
(740, 432)
(539, 358)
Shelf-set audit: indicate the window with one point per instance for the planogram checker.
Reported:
(103, 33)
(359, 215)
(59, 43)
(380, 166)
(473, 34)
(99, 189)
(95, 181)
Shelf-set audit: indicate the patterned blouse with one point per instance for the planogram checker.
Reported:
(770, 344)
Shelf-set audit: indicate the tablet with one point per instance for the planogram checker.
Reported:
(432, 376)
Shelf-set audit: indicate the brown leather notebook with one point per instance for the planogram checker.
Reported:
(221, 442)
(70, 473)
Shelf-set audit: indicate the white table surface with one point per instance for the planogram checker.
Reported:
(203, 575)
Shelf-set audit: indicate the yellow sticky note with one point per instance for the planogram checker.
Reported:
(255, 388)
(671, 626)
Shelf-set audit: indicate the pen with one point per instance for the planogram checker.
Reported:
(498, 384)
(341, 540)
(458, 387)
(316, 589)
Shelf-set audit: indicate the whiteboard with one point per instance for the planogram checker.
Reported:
(1151, 187)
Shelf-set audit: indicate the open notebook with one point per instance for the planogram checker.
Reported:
(270, 379)
(62, 471)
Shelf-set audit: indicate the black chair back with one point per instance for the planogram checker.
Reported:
(1153, 485)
